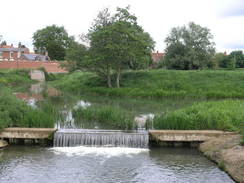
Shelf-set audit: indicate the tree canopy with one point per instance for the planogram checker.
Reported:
(75, 56)
(53, 39)
(189, 47)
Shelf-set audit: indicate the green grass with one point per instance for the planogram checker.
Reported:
(225, 115)
(15, 79)
(160, 83)
(105, 116)
(16, 113)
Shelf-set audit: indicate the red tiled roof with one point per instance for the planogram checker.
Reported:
(6, 46)
(157, 56)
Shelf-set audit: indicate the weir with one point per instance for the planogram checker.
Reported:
(110, 138)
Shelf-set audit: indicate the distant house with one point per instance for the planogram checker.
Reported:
(156, 57)
(11, 53)
(20, 53)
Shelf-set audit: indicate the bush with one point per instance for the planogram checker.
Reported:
(221, 115)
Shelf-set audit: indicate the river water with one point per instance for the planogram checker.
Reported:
(31, 164)
(21, 164)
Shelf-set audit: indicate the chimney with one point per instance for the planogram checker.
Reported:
(157, 51)
(12, 45)
(19, 54)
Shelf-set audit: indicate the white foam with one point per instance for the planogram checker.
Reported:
(98, 151)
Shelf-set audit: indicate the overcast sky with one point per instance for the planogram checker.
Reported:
(225, 18)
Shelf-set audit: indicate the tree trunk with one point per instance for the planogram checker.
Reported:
(118, 79)
(109, 83)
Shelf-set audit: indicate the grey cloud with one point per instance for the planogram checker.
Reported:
(233, 8)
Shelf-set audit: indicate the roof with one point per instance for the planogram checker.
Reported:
(157, 56)
(35, 57)
(8, 48)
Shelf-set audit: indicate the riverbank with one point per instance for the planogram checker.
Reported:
(159, 83)
(227, 153)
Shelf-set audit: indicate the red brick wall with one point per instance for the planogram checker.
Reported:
(50, 67)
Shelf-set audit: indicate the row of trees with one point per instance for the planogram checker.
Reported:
(234, 60)
(115, 42)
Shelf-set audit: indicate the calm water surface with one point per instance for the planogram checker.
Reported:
(107, 165)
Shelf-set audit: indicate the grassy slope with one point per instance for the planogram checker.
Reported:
(15, 79)
(161, 83)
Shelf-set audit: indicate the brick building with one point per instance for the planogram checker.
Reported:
(156, 57)
(11, 53)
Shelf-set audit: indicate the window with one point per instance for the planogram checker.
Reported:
(11, 54)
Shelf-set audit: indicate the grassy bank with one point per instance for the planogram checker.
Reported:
(15, 79)
(160, 83)
(16, 113)
(106, 117)
(219, 115)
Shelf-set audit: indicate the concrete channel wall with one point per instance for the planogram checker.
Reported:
(186, 135)
(27, 133)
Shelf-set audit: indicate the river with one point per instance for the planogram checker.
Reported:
(33, 164)
(21, 164)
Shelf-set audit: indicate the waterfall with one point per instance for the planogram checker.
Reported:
(114, 138)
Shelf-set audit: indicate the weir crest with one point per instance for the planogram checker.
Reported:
(96, 138)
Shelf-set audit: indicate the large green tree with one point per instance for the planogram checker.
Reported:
(76, 56)
(53, 39)
(117, 43)
(189, 47)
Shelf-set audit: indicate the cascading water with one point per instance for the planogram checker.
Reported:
(113, 138)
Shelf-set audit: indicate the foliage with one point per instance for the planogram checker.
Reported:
(53, 39)
(160, 83)
(111, 117)
(75, 56)
(238, 58)
(117, 43)
(189, 47)
(234, 60)
(15, 78)
(221, 115)
(16, 113)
